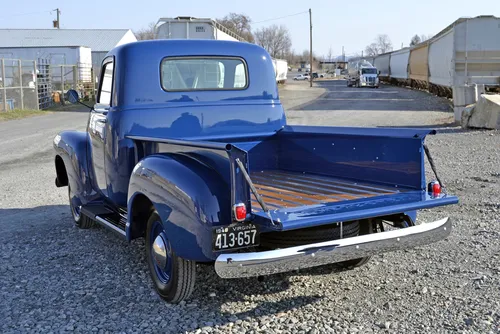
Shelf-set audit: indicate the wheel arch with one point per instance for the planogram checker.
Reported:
(61, 173)
(140, 209)
(189, 196)
(72, 164)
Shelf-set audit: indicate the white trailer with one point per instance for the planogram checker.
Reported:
(281, 70)
(187, 27)
(382, 63)
(399, 66)
(78, 56)
(466, 52)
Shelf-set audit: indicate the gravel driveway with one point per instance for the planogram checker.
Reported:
(55, 277)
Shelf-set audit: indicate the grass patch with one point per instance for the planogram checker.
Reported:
(20, 113)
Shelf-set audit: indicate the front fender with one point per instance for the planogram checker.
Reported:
(190, 198)
(71, 146)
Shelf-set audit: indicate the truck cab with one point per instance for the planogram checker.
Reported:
(368, 76)
(361, 73)
(188, 147)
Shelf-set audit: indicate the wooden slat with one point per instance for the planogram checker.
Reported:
(281, 189)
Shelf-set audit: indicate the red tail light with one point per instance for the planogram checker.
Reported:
(240, 212)
(434, 188)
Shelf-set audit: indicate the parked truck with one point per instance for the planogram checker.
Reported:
(188, 147)
(188, 27)
(361, 73)
(281, 69)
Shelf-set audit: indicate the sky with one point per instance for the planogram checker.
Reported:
(336, 24)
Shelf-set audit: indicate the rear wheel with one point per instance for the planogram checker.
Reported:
(173, 277)
(364, 228)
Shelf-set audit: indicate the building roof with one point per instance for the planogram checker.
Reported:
(98, 40)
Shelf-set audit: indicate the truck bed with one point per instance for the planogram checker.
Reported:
(284, 189)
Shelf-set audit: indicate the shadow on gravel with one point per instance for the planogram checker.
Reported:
(95, 269)
(11, 219)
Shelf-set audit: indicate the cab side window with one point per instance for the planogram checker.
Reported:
(106, 84)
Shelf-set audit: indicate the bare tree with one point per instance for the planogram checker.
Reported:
(146, 33)
(292, 57)
(415, 40)
(419, 39)
(330, 54)
(424, 37)
(240, 24)
(371, 50)
(275, 39)
(384, 43)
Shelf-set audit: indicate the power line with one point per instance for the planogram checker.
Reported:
(24, 14)
(281, 17)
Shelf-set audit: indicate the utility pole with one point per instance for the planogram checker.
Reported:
(310, 49)
(56, 22)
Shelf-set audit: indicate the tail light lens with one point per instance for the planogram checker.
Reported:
(240, 212)
(434, 188)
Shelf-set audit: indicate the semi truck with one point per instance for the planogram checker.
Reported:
(362, 73)
(188, 27)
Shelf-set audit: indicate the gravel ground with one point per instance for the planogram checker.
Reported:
(58, 278)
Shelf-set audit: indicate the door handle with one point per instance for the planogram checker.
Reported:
(102, 120)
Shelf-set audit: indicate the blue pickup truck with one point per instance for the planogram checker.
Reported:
(188, 146)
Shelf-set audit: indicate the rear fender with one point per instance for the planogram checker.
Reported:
(71, 147)
(190, 198)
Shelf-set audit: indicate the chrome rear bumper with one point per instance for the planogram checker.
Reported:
(287, 259)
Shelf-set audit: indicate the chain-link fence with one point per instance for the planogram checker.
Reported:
(18, 84)
(78, 77)
(30, 84)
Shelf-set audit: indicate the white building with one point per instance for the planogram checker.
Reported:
(58, 45)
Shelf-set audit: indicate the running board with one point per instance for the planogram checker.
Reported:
(106, 222)
(107, 217)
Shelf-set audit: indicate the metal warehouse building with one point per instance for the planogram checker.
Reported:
(59, 45)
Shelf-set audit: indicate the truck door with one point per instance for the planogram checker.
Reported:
(98, 126)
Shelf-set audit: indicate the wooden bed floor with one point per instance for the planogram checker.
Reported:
(283, 189)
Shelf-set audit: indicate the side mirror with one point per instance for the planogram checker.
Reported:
(73, 96)
(378, 72)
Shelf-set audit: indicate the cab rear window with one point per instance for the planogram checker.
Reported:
(203, 73)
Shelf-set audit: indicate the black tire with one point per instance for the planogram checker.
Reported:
(351, 264)
(182, 272)
(81, 221)
(364, 228)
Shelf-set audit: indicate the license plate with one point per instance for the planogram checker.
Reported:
(235, 236)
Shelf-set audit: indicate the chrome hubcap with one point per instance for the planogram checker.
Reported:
(160, 252)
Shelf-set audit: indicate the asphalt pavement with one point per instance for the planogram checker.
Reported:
(367, 106)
